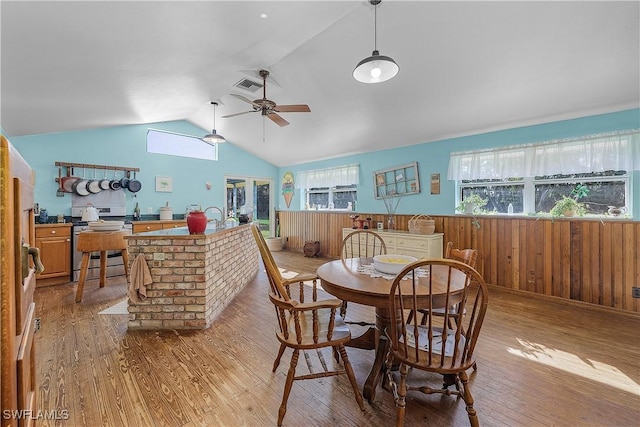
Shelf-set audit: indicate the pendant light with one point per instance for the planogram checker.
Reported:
(376, 68)
(213, 137)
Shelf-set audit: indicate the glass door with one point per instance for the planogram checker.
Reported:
(252, 197)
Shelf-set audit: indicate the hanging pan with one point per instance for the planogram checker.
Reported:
(69, 180)
(124, 182)
(115, 183)
(134, 185)
(94, 184)
(104, 182)
(80, 186)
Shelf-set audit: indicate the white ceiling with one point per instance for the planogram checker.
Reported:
(465, 68)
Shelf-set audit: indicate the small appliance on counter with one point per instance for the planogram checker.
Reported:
(166, 213)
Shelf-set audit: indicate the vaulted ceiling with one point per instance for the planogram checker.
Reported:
(465, 68)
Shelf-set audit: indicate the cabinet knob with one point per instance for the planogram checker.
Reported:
(53, 231)
(148, 227)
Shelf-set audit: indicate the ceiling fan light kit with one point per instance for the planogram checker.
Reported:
(376, 68)
(213, 137)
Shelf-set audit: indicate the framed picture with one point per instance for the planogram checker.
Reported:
(164, 184)
(435, 183)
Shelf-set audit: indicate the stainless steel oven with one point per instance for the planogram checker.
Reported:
(111, 205)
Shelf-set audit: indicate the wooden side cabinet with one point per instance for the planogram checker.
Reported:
(402, 243)
(54, 242)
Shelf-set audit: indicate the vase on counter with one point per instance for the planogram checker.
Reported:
(196, 222)
(391, 222)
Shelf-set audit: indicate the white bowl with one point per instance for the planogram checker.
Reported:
(392, 264)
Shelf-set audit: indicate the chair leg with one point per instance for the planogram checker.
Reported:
(402, 393)
(287, 386)
(351, 376)
(276, 363)
(468, 399)
(343, 309)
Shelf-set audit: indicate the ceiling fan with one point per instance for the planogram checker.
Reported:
(269, 108)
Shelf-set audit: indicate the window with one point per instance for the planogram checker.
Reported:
(551, 171)
(333, 188)
(175, 144)
(540, 193)
(339, 197)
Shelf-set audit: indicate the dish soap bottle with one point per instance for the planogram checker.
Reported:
(136, 213)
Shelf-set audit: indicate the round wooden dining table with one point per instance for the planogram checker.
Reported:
(342, 279)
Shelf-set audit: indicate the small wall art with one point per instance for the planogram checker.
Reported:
(435, 183)
(164, 184)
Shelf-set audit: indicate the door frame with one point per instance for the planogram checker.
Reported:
(250, 182)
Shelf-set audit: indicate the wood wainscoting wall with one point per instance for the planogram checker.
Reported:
(587, 260)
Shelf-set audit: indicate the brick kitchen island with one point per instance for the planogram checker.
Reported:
(195, 276)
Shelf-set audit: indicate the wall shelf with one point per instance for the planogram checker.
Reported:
(128, 170)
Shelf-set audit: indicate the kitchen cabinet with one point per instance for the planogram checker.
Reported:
(54, 243)
(403, 243)
(142, 226)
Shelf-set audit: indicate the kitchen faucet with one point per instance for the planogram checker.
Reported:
(221, 221)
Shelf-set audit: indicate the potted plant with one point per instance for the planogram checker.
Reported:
(569, 205)
(472, 204)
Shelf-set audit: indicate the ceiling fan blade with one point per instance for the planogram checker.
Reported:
(242, 98)
(277, 119)
(298, 108)
(238, 114)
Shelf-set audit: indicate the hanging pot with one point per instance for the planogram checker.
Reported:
(94, 184)
(134, 185)
(104, 182)
(69, 180)
(80, 186)
(115, 183)
(124, 181)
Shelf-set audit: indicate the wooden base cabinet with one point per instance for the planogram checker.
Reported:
(415, 245)
(54, 242)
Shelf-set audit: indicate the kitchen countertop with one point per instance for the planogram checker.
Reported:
(54, 224)
(182, 231)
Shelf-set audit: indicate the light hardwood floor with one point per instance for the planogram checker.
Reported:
(540, 363)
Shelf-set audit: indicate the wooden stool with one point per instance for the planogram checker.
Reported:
(100, 241)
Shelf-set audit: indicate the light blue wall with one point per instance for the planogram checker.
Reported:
(126, 146)
(433, 157)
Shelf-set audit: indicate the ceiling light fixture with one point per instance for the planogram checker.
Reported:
(213, 137)
(376, 68)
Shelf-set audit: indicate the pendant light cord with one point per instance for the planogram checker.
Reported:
(375, 26)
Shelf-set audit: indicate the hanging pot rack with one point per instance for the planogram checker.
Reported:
(128, 170)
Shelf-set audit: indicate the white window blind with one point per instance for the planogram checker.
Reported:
(597, 153)
(342, 175)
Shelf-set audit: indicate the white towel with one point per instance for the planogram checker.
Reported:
(139, 277)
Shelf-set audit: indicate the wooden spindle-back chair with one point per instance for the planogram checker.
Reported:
(441, 344)
(307, 326)
(359, 244)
